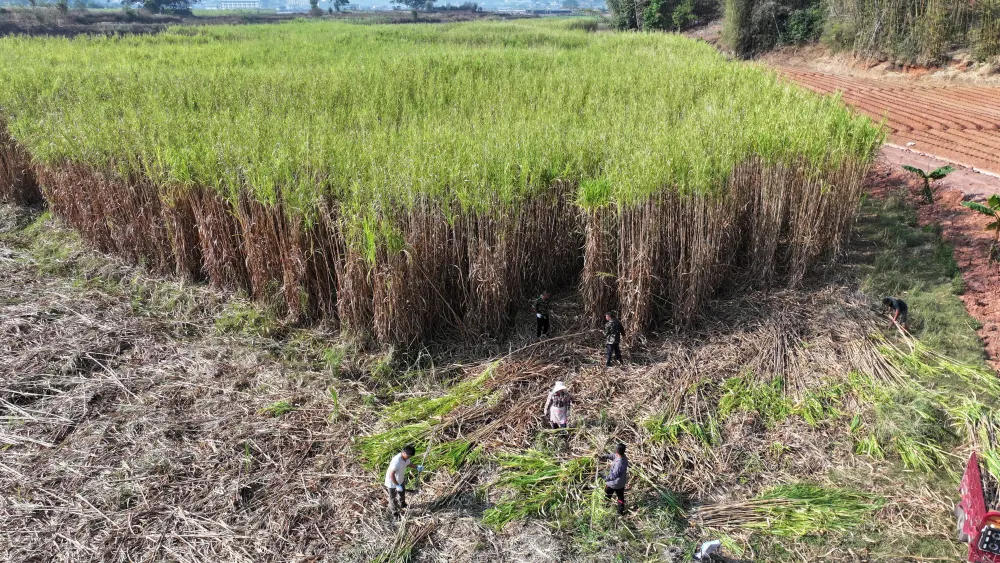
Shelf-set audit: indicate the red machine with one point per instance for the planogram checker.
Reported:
(977, 525)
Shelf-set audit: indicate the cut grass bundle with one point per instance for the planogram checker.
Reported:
(670, 431)
(414, 179)
(537, 485)
(423, 408)
(794, 511)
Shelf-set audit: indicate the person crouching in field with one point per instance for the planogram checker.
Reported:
(541, 310)
(395, 479)
(614, 483)
(897, 307)
(557, 406)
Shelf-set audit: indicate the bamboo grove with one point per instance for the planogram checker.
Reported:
(407, 180)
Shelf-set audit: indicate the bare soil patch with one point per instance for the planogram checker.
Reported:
(959, 123)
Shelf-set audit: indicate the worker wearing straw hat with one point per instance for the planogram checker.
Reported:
(617, 478)
(557, 406)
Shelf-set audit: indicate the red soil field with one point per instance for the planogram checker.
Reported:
(957, 122)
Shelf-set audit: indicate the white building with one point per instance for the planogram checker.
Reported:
(239, 4)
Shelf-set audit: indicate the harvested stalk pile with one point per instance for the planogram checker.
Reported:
(410, 180)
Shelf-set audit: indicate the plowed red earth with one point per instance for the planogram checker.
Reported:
(959, 123)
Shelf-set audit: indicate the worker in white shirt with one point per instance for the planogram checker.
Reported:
(395, 479)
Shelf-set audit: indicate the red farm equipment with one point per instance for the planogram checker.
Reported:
(977, 525)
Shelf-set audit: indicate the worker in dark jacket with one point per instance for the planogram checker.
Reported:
(899, 311)
(617, 478)
(541, 310)
(613, 333)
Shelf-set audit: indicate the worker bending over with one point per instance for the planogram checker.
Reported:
(614, 483)
(898, 309)
(557, 406)
(395, 479)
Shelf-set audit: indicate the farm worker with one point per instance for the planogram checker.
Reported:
(899, 311)
(395, 479)
(541, 310)
(557, 406)
(613, 333)
(614, 483)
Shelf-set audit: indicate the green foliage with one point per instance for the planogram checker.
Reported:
(806, 509)
(423, 408)
(752, 27)
(991, 210)
(764, 398)
(916, 264)
(276, 409)
(537, 485)
(583, 24)
(937, 174)
(248, 319)
(662, 429)
(914, 31)
(333, 359)
(378, 449)
(675, 15)
(422, 418)
(314, 111)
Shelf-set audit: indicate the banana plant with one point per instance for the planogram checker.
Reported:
(935, 175)
(991, 210)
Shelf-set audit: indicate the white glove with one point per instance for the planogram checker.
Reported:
(539, 315)
(399, 488)
(420, 468)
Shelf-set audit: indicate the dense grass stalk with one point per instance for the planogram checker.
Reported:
(414, 179)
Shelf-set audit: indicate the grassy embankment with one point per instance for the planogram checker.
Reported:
(356, 170)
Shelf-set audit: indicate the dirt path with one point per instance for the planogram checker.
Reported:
(962, 228)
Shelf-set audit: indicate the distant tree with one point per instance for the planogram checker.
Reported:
(80, 5)
(415, 4)
(160, 6)
(935, 175)
(338, 4)
(62, 6)
(314, 9)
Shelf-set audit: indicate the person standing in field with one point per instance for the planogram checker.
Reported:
(617, 478)
(899, 311)
(557, 406)
(541, 310)
(395, 479)
(613, 333)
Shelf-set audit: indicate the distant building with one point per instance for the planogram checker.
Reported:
(239, 4)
